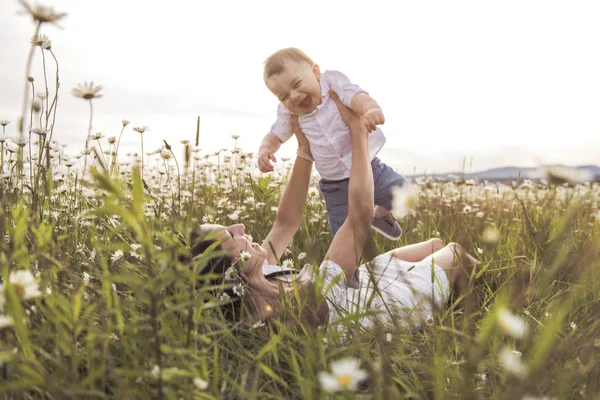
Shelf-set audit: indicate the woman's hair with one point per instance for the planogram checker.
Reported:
(218, 265)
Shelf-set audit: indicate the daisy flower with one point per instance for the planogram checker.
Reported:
(404, 199)
(345, 374)
(244, 256)
(86, 279)
(491, 235)
(511, 325)
(200, 384)
(41, 13)
(511, 361)
(24, 284)
(117, 256)
(87, 91)
(5, 321)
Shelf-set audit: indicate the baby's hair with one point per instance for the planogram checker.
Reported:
(274, 64)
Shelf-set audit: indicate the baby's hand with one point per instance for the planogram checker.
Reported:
(265, 156)
(373, 117)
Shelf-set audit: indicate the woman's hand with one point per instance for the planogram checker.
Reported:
(303, 144)
(354, 120)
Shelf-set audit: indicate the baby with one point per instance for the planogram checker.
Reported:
(303, 91)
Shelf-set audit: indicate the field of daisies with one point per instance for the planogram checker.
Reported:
(97, 299)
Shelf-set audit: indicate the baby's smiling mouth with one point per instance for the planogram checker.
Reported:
(305, 102)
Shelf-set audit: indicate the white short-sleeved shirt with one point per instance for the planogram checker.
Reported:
(329, 137)
(387, 289)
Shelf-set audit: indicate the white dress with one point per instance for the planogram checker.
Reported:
(387, 289)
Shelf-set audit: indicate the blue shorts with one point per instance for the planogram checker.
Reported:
(336, 193)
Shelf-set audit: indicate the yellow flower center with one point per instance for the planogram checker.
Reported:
(344, 380)
(19, 290)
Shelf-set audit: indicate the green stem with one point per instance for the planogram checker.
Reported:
(156, 332)
(191, 212)
(87, 139)
(30, 125)
(142, 138)
(178, 180)
(54, 105)
(167, 170)
(45, 84)
(101, 152)
(27, 74)
(41, 113)
(117, 150)
(2, 150)
(20, 166)
(41, 141)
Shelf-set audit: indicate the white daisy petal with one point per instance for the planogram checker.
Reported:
(511, 325)
(200, 384)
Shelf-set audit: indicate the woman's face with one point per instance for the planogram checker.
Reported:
(235, 241)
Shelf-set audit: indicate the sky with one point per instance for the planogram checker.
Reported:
(511, 82)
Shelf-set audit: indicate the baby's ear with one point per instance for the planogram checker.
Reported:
(317, 70)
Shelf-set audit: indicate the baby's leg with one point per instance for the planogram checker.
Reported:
(385, 178)
(381, 212)
(336, 203)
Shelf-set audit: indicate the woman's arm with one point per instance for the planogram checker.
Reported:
(347, 245)
(292, 203)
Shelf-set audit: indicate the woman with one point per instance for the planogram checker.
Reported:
(403, 285)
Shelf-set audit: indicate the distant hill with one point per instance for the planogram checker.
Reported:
(507, 173)
(499, 160)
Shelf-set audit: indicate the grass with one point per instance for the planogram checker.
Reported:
(119, 316)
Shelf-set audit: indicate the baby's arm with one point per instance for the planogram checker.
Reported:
(266, 152)
(355, 97)
(280, 132)
(366, 106)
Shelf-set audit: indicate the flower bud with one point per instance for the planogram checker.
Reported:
(36, 105)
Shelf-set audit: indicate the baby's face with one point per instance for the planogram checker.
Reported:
(297, 87)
